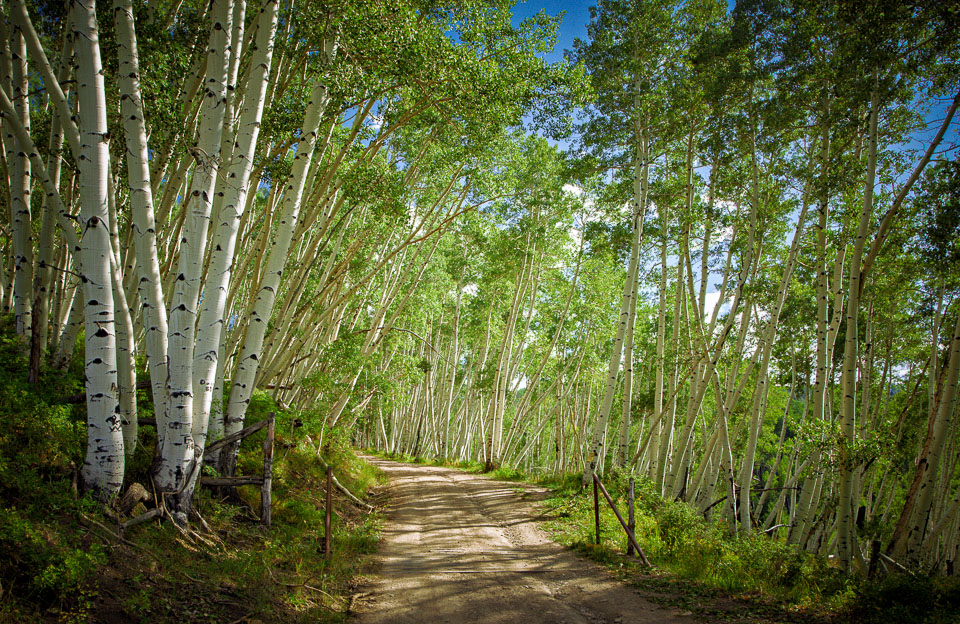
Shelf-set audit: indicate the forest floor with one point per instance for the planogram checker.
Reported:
(459, 547)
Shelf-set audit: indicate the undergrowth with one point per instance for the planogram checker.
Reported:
(700, 565)
(63, 559)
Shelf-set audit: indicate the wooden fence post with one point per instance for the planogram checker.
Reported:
(631, 522)
(327, 520)
(265, 496)
(596, 509)
(630, 536)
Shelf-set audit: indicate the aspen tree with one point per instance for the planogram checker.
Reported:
(176, 461)
(236, 186)
(103, 467)
(596, 448)
(249, 357)
(641, 180)
(43, 275)
(15, 57)
(149, 283)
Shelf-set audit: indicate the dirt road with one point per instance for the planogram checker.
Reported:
(462, 548)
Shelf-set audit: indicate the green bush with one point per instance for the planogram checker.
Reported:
(36, 557)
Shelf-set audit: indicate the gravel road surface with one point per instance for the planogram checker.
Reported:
(460, 547)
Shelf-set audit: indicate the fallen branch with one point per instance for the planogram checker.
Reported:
(340, 486)
(85, 519)
(153, 513)
(895, 563)
(231, 481)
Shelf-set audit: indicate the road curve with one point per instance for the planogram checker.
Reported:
(460, 547)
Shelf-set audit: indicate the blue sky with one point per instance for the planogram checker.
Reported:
(574, 21)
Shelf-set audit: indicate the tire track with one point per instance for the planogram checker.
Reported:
(460, 547)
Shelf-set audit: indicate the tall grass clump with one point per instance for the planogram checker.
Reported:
(679, 541)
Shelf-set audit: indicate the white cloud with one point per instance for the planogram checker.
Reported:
(709, 303)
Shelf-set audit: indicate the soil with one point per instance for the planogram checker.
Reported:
(460, 547)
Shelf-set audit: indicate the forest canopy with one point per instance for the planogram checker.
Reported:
(717, 247)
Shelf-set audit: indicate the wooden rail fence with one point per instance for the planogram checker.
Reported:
(627, 528)
(265, 481)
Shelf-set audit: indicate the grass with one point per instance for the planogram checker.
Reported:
(698, 566)
(62, 558)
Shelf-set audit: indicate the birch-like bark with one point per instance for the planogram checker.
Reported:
(641, 177)
(596, 449)
(248, 361)
(656, 429)
(805, 507)
(767, 340)
(20, 186)
(175, 447)
(454, 367)
(847, 549)
(149, 283)
(103, 467)
(235, 190)
(669, 418)
(917, 512)
(43, 275)
(125, 339)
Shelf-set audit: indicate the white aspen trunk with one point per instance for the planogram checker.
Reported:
(454, 366)
(596, 449)
(726, 460)
(561, 396)
(676, 480)
(807, 501)
(103, 467)
(52, 196)
(847, 549)
(126, 351)
(43, 275)
(175, 445)
(670, 416)
(515, 357)
(217, 408)
(525, 407)
(499, 381)
(767, 341)
(641, 176)
(917, 514)
(771, 478)
(210, 322)
(149, 282)
(656, 428)
(126, 369)
(20, 186)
